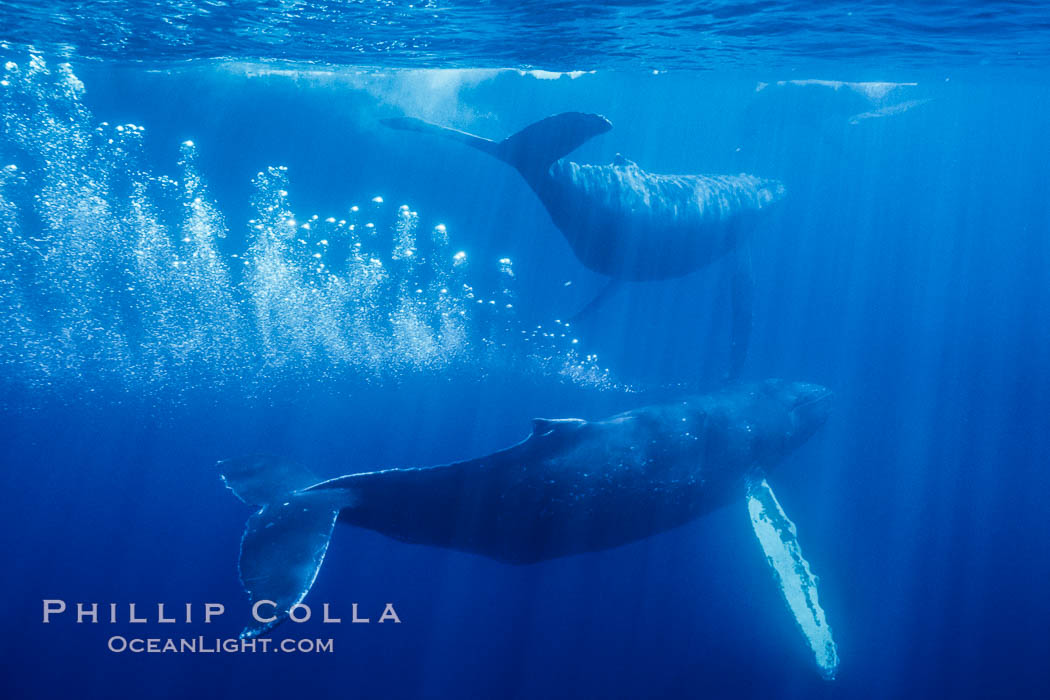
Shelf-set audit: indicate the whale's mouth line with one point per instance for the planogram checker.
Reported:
(825, 396)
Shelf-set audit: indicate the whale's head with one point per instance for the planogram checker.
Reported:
(808, 407)
(811, 405)
(776, 416)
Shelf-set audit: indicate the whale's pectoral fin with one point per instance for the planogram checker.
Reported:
(284, 543)
(536, 147)
(742, 307)
(605, 294)
(779, 540)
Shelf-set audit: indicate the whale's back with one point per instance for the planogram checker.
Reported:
(668, 200)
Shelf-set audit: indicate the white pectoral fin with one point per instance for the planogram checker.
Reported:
(776, 533)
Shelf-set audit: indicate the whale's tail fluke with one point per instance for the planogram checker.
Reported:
(285, 542)
(533, 149)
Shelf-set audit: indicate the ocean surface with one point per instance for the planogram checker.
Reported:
(211, 247)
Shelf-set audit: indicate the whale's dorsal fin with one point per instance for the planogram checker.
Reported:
(536, 147)
(547, 426)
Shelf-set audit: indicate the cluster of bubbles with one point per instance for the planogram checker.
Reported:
(114, 275)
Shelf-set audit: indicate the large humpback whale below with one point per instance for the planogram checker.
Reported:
(572, 486)
(627, 223)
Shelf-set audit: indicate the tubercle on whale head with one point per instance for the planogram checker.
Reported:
(810, 409)
(807, 405)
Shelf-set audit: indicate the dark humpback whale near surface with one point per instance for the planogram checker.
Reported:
(624, 222)
(571, 486)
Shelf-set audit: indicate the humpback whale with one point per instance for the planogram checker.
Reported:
(571, 486)
(624, 222)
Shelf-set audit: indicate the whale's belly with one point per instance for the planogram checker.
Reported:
(624, 222)
(545, 516)
(619, 485)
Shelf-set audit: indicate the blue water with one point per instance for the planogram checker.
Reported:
(158, 317)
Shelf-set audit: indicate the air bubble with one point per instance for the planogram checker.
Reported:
(274, 311)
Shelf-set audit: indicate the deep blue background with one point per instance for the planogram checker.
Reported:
(907, 270)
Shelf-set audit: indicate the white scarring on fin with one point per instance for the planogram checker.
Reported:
(779, 539)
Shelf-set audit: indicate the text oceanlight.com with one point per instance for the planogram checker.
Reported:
(262, 611)
(216, 645)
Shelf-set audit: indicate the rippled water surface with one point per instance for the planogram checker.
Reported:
(544, 34)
